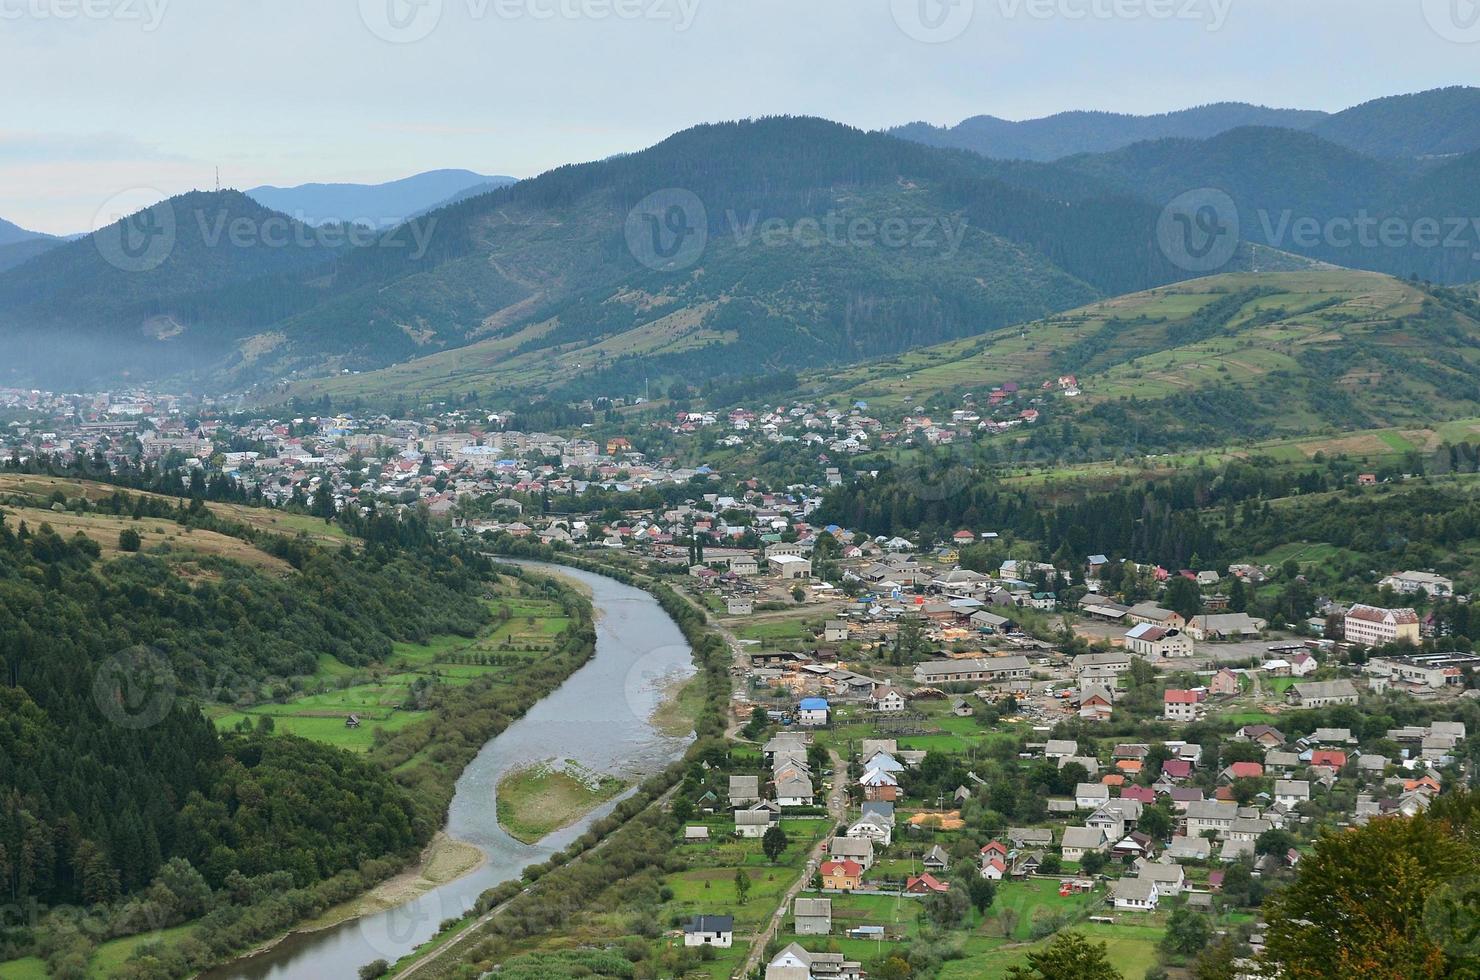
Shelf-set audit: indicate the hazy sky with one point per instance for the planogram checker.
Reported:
(109, 96)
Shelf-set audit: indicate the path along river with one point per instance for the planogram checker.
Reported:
(601, 717)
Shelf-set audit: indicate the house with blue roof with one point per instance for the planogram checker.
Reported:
(813, 711)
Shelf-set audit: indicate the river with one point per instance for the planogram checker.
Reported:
(600, 717)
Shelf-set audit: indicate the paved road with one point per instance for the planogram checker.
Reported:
(835, 810)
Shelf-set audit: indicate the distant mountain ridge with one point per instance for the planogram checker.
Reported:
(11, 233)
(1440, 122)
(1070, 133)
(18, 245)
(817, 245)
(380, 205)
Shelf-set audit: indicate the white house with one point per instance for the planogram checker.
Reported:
(1079, 841)
(1091, 796)
(1135, 894)
(710, 930)
(1291, 791)
(813, 712)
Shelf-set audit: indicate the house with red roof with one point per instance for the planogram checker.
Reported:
(1143, 794)
(1176, 769)
(1178, 705)
(1243, 770)
(925, 884)
(841, 876)
(1328, 758)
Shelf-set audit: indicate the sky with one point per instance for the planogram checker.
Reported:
(146, 98)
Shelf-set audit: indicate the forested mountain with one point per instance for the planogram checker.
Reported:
(1441, 122)
(159, 291)
(882, 244)
(1071, 133)
(379, 205)
(19, 253)
(727, 250)
(1300, 193)
(117, 792)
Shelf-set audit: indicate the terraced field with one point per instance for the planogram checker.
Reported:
(1306, 351)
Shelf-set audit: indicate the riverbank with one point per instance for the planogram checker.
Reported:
(536, 801)
(683, 702)
(579, 718)
(444, 861)
(636, 834)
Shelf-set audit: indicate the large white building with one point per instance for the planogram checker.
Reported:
(1412, 583)
(1371, 626)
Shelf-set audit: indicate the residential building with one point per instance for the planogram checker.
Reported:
(1210, 815)
(1079, 841)
(1179, 705)
(753, 824)
(858, 849)
(1134, 894)
(813, 712)
(710, 930)
(813, 916)
(1412, 583)
(841, 876)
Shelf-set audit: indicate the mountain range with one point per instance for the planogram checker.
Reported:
(725, 251)
(379, 205)
(1441, 122)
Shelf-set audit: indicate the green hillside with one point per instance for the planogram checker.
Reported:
(1213, 361)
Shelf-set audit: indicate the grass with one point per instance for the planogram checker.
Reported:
(535, 802)
(382, 697)
(30, 968)
(1131, 949)
(110, 956)
(681, 706)
(159, 536)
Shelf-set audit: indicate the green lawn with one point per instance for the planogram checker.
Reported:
(30, 968)
(1131, 948)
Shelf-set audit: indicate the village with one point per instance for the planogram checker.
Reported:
(977, 756)
(993, 764)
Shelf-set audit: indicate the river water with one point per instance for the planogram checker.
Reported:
(600, 717)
